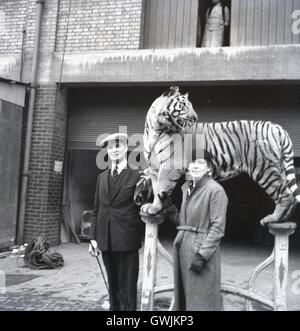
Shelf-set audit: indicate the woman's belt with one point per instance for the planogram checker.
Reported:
(190, 229)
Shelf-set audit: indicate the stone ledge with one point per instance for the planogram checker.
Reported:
(194, 65)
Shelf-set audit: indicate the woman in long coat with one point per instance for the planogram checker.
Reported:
(202, 218)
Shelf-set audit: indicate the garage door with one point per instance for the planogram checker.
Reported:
(98, 111)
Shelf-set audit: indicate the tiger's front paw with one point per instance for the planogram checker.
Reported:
(145, 208)
(150, 209)
(156, 206)
(154, 210)
(266, 220)
(146, 215)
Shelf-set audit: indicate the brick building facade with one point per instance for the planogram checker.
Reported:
(92, 26)
(95, 43)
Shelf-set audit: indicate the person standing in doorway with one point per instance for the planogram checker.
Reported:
(116, 225)
(201, 225)
(217, 25)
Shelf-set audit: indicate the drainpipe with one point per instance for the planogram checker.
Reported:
(32, 95)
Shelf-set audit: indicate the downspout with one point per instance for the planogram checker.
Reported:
(32, 96)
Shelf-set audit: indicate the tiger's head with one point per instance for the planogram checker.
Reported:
(173, 111)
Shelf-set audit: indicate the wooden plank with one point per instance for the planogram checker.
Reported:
(149, 27)
(265, 22)
(257, 22)
(153, 15)
(179, 23)
(166, 23)
(288, 21)
(273, 22)
(250, 23)
(234, 29)
(147, 18)
(158, 24)
(296, 37)
(280, 22)
(186, 23)
(242, 23)
(193, 23)
(172, 23)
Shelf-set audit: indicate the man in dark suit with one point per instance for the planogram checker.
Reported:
(116, 225)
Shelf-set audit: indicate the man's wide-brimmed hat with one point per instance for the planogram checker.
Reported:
(116, 136)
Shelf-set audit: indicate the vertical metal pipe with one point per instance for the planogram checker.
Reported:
(33, 83)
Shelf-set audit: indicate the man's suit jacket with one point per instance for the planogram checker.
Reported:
(115, 212)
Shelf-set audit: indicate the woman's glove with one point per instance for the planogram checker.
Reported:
(198, 263)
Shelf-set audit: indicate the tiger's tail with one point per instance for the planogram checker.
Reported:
(288, 164)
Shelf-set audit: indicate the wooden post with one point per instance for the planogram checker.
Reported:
(281, 231)
(149, 266)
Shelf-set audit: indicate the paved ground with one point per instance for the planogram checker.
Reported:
(78, 285)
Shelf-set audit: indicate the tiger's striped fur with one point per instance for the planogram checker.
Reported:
(263, 150)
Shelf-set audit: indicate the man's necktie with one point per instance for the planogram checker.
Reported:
(190, 188)
(115, 172)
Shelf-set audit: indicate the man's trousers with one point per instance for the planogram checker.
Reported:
(122, 271)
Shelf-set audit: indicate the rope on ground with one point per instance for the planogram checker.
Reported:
(38, 256)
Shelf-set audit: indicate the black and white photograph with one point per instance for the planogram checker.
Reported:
(150, 158)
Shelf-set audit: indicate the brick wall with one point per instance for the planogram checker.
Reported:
(94, 25)
(45, 188)
(12, 21)
(100, 25)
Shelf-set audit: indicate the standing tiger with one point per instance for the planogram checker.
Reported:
(263, 150)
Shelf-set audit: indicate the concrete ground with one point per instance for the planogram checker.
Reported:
(78, 285)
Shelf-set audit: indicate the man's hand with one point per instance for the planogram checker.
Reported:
(198, 263)
(93, 248)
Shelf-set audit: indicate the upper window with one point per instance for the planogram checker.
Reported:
(182, 23)
(214, 23)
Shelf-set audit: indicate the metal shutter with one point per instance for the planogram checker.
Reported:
(86, 124)
(90, 115)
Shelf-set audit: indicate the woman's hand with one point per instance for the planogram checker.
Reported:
(198, 263)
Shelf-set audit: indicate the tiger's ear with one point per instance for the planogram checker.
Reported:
(173, 90)
(186, 95)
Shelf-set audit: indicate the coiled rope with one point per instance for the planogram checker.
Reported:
(38, 256)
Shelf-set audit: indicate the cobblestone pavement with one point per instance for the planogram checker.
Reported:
(78, 286)
(39, 303)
